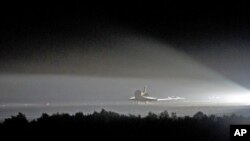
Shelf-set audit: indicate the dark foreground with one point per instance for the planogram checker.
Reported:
(110, 125)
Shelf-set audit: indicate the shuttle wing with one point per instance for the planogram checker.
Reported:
(170, 98)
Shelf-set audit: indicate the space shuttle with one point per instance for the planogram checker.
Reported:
(143, 96)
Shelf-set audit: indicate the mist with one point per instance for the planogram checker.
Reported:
(108, 69)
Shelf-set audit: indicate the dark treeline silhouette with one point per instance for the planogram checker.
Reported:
(111, 125)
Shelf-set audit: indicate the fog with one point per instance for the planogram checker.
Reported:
(108, 69)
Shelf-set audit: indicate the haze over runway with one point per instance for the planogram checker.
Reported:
(92, 53)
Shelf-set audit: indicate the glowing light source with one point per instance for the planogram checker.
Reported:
(242, 99)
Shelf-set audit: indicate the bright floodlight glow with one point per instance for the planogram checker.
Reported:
(242, 99)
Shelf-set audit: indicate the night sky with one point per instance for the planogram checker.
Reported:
(55, 51)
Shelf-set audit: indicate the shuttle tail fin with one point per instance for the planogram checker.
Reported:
(145, 89)
(144, 92)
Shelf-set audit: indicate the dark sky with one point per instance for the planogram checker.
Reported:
(117, 39)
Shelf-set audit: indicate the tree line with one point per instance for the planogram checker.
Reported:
(111, 125)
